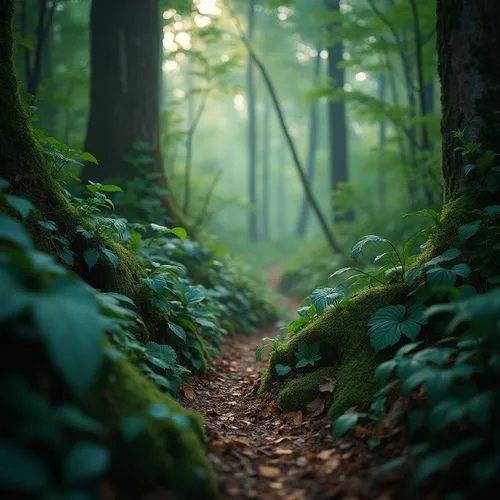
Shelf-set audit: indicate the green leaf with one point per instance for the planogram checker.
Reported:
(22, 206)
(448, 255)
(339, 272)
(91, 257)
(344, 423)
(86, 461)
(492, 210)
(73, 418)
(259, 353)
(111, 256)
(180, 232)
(21, 470)
(13, 232)
(439, 276)
(307, 354)
(178, 331)
(391, 465)
(324, 297)
(103, 188)
(371, 238)
(133, 427)
(384, 370)
(282, 370)
(467, 231)
(88, 157)
(389, 324)
(68, 317)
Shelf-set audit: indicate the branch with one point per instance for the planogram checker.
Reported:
(208, 197)
(189, 153)
(298, 165)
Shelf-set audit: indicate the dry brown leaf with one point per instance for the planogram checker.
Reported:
(316, 407)
(325, 454)
(296, 417)
(272, 410)
(276, 485)
(283, 451)
(269, 472)
(188, 391)
(329, 384)
(240, 443)
(217, 446)
(310, 455)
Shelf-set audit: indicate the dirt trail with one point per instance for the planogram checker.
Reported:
(259, 451)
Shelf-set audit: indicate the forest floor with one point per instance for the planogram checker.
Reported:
(258, 451)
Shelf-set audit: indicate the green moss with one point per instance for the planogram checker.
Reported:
(302, 390)
(164, 456)
(344, 347)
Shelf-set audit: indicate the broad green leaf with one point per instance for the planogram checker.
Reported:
(492, 210)
(133, 427)
(324, 297)
(111, 256)
(467, 231)
(91, 257)
(259, 353)
(178, 331)
(67, 316)
(180, 232)
(339, 272)
(22, 206)
(13, 232)
(448, 255)
(389, 466)
(389, 324)
(85, 461)
(371, 238)
(307, 354)
(344, 423)
(21, 470)
(88, 157)
(384, 370)
(282, 370)
(439, 276)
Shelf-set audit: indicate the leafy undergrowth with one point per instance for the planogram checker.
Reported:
(420, 334)
(89, 372)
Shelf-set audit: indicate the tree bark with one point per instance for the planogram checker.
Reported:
(252, 133)
(339, 169)
(469, 69)
(266, 151)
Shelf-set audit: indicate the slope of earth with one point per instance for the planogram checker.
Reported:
(260, 452)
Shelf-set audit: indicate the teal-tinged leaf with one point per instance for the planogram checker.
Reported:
(85, 461)
(22, 206)
(344, 423)
(67, 316)
(13, 232)
(111, 256)
(178, 331)
(21, 470)
(371, 238)
(467, 231)
(91, 257)
(282, 370)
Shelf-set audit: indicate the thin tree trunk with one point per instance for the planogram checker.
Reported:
(382, 138)
(252, 133)
(266, 150)
(281, 185)
(339, 170)
(303, 220)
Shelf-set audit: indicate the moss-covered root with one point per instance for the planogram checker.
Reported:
(165, 456)
(345, 348)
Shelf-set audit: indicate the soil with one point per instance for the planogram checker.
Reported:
(258, 451)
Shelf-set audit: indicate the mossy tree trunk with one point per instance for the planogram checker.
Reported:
(469, 68)
(125, 92)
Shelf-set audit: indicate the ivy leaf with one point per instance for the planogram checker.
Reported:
(448, 255)
(21, 470)
(282, 370)
(67, 316)
(91, 257)
(390, 323)
(307, 354)
(467, 231)
(85, 461)
(371, 238)
(22, 206)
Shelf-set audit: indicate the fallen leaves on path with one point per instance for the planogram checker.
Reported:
(259, 451)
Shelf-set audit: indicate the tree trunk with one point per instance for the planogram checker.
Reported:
(313, 146)
(339, 170)
(382, 140)
(469, 68)
(281, 198)
(252, 139)
(266, 150)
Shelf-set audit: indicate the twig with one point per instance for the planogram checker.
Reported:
(208, 197)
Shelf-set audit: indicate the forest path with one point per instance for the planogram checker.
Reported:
(260, 452)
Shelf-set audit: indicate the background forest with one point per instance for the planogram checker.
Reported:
(180, 178)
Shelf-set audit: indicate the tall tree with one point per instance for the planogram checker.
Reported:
(312, 148)
(252, 133)
(125, 91)
(339, 168)
(469, 69)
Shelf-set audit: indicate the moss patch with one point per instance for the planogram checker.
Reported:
(164, 456)
(344, 347)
